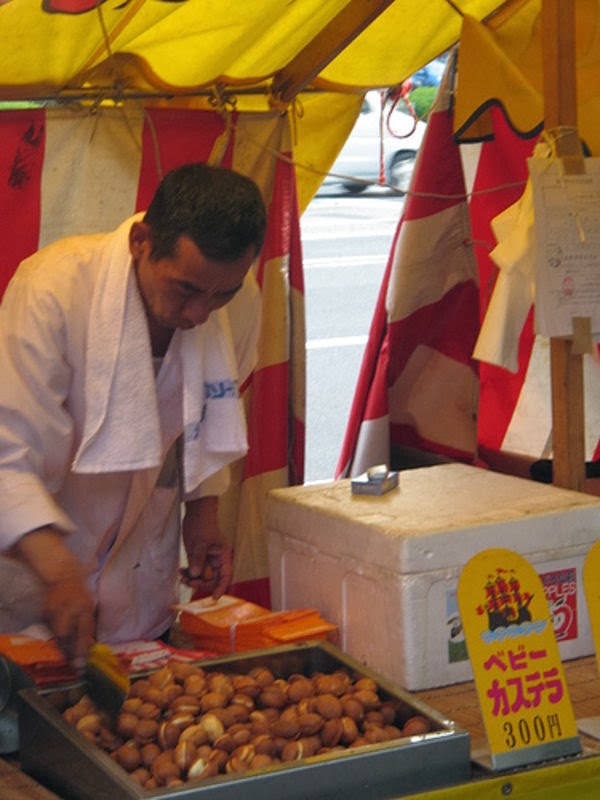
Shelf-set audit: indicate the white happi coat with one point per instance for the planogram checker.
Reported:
(96, 445)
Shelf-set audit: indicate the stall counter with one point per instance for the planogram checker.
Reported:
(15, 785)
(558, 780)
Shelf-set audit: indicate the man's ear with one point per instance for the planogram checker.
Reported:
(140, 239)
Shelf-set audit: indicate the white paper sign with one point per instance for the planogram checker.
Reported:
(567, 232)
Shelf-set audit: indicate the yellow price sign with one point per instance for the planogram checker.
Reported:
(591, 586)
(516, 663)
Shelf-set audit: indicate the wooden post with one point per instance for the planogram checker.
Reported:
(331, 40)
(560, 116)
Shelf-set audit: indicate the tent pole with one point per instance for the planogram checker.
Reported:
(560, 115)
(330, 41)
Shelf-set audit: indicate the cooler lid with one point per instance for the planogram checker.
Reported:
(438, 517)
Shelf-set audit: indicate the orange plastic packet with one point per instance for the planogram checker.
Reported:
(42, 659)
(232, 624)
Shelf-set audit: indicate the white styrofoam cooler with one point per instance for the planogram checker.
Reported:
(385, 568)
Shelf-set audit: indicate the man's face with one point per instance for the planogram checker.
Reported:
(182, 290)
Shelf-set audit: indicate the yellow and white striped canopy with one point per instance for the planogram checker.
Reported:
(314, 57)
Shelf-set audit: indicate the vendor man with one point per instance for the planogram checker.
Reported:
(121, 357)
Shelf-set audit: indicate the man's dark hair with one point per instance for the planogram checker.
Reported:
(220, 210)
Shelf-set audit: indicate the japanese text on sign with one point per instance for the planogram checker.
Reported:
(517, 668)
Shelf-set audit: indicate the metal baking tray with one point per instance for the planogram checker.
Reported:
(59, 757)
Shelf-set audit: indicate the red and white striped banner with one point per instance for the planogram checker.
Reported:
(515, 413)
(418, 386)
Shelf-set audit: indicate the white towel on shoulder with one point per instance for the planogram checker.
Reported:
(122, 422)
(213, 414)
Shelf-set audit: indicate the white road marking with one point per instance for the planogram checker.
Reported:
(358, 231)
(336, 341)
(334, 262)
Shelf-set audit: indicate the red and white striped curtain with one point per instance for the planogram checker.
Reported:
(419, 387)
(66, 172)
(499, 182)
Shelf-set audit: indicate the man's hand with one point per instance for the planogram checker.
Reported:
(210, 559)
(68, 607)
(69, 611)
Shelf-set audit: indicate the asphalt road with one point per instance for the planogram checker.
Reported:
(346, 242)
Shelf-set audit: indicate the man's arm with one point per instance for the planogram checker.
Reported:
(36, 433)
(68, 607)
(210, 559)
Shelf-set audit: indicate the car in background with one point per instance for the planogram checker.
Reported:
(381, 148)
(431, 74)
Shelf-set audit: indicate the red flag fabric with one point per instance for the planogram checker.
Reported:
(499, 182)
(411, 392)
(418, 386)
(515, 413)
(277, 392)
(21, 159)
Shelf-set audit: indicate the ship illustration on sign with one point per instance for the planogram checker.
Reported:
(506, 605)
